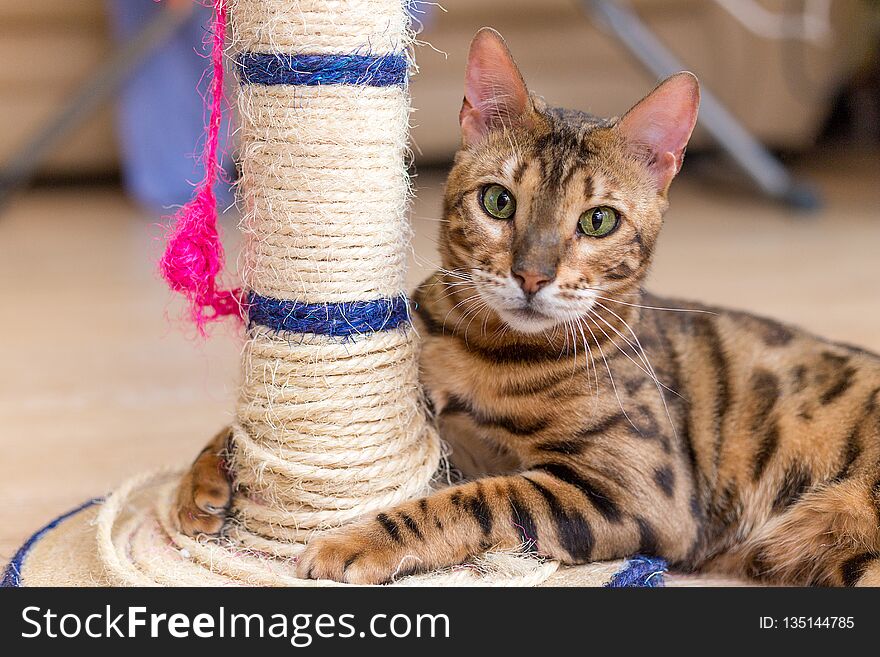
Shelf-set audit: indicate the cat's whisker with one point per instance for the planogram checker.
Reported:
(449, 287)
(577, 317)
(593, 361)
(637, 349)
(463, 317)
(457, 270)
(457, 287)
(641, 368)
(575, 329)
(564, 346)
(453, 292)
(459, 281)
(463, 301)
(639, 305)
(589, 360)
(479, 305)
(459, 284)
(646, 372)
(570, 327)
(467, 328)
(485, 320)
(611, 378)
(648, 363)
(459, 274)
(471, 311)
(473, 296)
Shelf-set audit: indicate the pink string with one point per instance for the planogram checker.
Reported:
(194, 254)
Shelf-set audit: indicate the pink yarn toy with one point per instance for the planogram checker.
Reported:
(193, 255)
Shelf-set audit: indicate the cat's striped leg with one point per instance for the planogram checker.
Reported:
(556, 512)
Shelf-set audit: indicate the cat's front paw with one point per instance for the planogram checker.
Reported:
(356, 555)
(205, 493)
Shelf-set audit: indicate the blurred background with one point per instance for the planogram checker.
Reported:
(777, 210)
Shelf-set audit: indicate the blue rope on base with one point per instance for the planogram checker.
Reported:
(366, 70)
(336, 320)
(12, 574)
(639, 571)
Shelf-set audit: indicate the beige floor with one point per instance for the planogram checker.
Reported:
(98, 380)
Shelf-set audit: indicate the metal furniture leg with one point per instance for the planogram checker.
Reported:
(98, 89)
(767, 172)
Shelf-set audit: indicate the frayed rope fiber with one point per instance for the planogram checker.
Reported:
(338, 320)
(193, 255)
(310, 70)
(645, 572)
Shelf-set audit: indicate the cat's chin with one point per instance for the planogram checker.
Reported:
(526, 320)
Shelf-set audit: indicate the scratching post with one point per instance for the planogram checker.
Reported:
(330, 423)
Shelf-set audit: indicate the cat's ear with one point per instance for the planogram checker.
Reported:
(657, 128)
(495, 94)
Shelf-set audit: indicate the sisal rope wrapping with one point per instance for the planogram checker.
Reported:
(326, 189)
(320, 26)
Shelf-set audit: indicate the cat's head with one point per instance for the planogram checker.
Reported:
(548, 210)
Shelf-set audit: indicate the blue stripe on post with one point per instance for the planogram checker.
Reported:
(337, 320)
(366, 70)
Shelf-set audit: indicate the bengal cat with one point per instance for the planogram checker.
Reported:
(592, 421)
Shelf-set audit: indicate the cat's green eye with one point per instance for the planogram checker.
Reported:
(497, 201)
(599, 222)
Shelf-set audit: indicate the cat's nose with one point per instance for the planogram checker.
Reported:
(531, 281)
